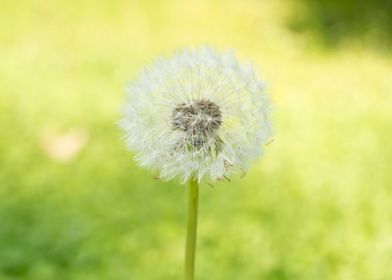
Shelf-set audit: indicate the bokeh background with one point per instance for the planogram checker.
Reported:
(75, 206)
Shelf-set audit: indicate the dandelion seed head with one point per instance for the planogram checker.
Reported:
(196, 114)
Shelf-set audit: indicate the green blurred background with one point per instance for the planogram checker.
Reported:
(74, 205)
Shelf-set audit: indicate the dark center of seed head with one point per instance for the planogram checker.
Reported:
(197, 118)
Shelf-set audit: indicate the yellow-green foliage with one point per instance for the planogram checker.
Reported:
(74, 206)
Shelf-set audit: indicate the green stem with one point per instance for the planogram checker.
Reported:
(190, 251)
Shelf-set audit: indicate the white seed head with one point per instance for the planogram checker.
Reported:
(197, 114)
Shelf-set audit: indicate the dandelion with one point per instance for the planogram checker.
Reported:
(197, 116)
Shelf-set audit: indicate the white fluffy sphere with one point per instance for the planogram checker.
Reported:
(197, 114)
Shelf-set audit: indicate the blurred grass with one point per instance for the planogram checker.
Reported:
(335, 22)
(317, 206)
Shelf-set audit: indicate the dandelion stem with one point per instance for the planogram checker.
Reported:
(190, 250)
